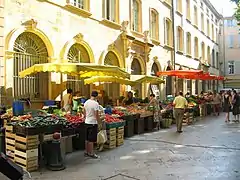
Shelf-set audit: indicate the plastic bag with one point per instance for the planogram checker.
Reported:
(102, 137)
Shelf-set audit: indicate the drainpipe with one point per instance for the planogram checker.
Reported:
(174, 48)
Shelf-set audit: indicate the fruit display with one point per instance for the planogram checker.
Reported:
(118, 112)
(112, 119)
(74, 118)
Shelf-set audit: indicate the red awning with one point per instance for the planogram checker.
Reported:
(179, 72)
(203, 76)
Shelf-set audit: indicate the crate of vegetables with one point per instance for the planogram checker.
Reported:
(113, 122)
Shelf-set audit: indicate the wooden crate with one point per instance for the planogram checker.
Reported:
(110, 144)
(120, 130)
(120, 141)
(47, 137)
(111, 134)
(27, 159)
(26, 142)
(10, 144)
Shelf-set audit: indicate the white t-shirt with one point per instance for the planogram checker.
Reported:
(90, 107)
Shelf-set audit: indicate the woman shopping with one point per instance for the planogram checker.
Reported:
(235, 106)
(156, 110)
(227, 101)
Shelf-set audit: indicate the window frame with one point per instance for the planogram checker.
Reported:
(180, 39)
(139, 25)
(154, 12)
(196, 47)
(231, 64)
(195, 16)
(86, 4)
(189, 43)
(209, 55)
(202, 23)
(230, 41)
(179, 6)
(168, 35)
(213, 33)
(114, 19)
(203, 50)
(188, 10)
(208, 28)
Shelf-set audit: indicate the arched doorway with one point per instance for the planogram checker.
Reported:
(136, 70)
(29, 49)
(168, 83)
(112, 89)
(78, 54)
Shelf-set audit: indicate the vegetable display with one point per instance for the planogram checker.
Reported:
(111, 119)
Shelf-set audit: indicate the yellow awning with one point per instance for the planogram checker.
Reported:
(108, 79)
(150, 79)
(76, 69)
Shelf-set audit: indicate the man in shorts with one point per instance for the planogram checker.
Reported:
(91, 114)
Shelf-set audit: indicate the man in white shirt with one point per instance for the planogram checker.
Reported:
(91, 114)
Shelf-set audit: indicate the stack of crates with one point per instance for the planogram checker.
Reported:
(26, 152)
(10, 142)
(111, 139)
(120, 136)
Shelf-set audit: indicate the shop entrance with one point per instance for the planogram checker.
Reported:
(29, 49)
(78, 54)
(169, 83)
(136, 70)
(155, 88)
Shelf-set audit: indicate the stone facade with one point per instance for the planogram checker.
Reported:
(52, 29)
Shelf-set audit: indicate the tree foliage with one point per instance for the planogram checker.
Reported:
(237, 12)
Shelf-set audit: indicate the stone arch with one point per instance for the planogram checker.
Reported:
(155, 62)
(15, 33)
(77, 40)
(113, 50)
(141, 64)
(111, 59)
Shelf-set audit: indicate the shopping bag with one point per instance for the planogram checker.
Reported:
(102, 137)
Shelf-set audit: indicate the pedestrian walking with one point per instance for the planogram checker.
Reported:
(235, 106)
(179, 103)
(227, 99)
(92, 117)
(216, 103)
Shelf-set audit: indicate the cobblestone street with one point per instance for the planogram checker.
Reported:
(209, 149)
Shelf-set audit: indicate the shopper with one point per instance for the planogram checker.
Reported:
(235, 106)
(217, 99)
(92, 117)
(227, 99)
(179, 103)
(130, 99)
(67, 101)
(156, 110)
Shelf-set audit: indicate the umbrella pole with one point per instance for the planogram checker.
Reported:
(61, 81)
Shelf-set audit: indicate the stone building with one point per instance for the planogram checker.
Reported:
(140, 36)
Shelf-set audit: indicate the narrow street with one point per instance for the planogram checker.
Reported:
(209, 149)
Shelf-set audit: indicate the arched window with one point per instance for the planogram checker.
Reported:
(202, 22)
(208, 28)
(208, 55)
(110, 10)
(196, 55)
(213, 33)
(168, 32)
(188, 10)
(136, 15)
(189, 44)
(195, 16)
(154, 24)
(29, 49)
(203, 51)
(213, 58)
(179, 6)
(180, 39)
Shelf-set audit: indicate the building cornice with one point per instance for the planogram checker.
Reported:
(212, 8)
